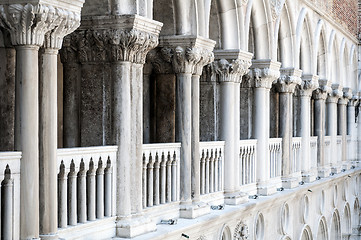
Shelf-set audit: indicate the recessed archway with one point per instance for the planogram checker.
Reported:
(335, 230)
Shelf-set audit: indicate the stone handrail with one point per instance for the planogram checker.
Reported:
(10, 194)
(211, 161)
(349, 148)
(248, 161)
(86, 184)
(275, 151)
(339, 147)
(327, 147)
(160, 182)
(296, 153)
(313, 153)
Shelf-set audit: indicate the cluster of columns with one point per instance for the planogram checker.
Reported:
(36, 106)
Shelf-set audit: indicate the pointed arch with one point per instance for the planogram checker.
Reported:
(320, 56)
(356, 217)
(343, 58)
(334, 61)
(303, 48)
(335, 229)
(346, 226)
(322, 231)
(306, 233)
(352, 68)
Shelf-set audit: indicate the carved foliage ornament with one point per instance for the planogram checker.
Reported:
(264, 77)
(241, 232)
(287, 83)
(231, 72)
(276, 8)
(29, 23)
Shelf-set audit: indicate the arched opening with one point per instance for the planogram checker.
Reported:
(322, 233)
(306, 234)
(356, 217)
(335, 230)
(346, 222)
(225, 233)
(259, 227)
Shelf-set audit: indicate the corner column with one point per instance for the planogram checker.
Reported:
(230, 66)
(286, 85)
(331, 103)
(264, 73)
(342, 125)
(309, 83)
(352, 129)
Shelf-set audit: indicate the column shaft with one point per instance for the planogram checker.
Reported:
(286, 134)
(184, 125)
(332, 131)
(48, 144)
(26, 137)
(237, 134)
(305, 132)
(121, 76)
(351, 130)
(319, 125)
(342, 129)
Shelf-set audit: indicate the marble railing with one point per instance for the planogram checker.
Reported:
(339, 147)
(349, 148)
(10, 195)
(275, 152)
(86, 189)
(160, 182)
(313, 152)
(211, 166)
(327, 147)
(296, 153)
(248, 159)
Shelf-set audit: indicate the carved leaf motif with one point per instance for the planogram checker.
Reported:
(241, 232)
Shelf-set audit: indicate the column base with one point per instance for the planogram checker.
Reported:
(266, 189)
(134, 226)
(324, 172)
(236, 198)
(346, 165)
(49, 236)
(194, 210)
(336, 169)
(308, 177)
(289, 183)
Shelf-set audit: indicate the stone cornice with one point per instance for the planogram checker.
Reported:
(308, 85)
(188, 54)
(231, 65)
(264, 72)
(288, 80)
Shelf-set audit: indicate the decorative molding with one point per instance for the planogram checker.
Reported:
(231, 71)
(276, 8)
(241, 232)
(264, 73)
(202, 237)
(28, 24)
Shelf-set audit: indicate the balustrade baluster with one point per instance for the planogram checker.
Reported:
(216, 176)
(144, 180)
(150, 181)
(203, 171)
(108, 189)
(91, 192)
(174, 179)
(7, 190)
(211, 170)
(62, 197)
(207, 171)
(156, 180)
(169, 179)
(72, 194)
(100, 190)
(82, 209)
(163, 179)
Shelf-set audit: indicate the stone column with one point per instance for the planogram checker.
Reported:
(231, 65)
(320, 95)
(48, 128)
(309, 83)
(264, 72)
(129, 43)
(342, 124)
(352, 129)
(286, 85)
(331, 103)
(27, 24)
(188, 56)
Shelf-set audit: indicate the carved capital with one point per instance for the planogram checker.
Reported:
(264, 73)
(276, 8)
(308, 85)
(335, 94)
(288, 80)
(29, 23)
(322, 91)
(188, 54)
(160, 59)
(241, 232)
(347, 93)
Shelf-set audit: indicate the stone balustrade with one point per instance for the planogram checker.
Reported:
(313, 152)
(247, 158)
(327, 147)
(86, 186)
(296, 152)
(10, 195)
(275, 152)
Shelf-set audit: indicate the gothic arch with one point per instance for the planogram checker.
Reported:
(320, 51)
(284, 37)
(306, 233)
(334, 61)
(352, 67)
(322, 232)
(303, 56)
(225, 233)
(356, 214)
(335, 229)
(346, 227)
(344, 79)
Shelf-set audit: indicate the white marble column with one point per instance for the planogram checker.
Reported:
(352, 129)
(188, 55)
(309, 83)
(264, 73)
(230, 66)
(27, 24)
(319, 96)
(286, 85)
(331, 103)
(342, 125)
